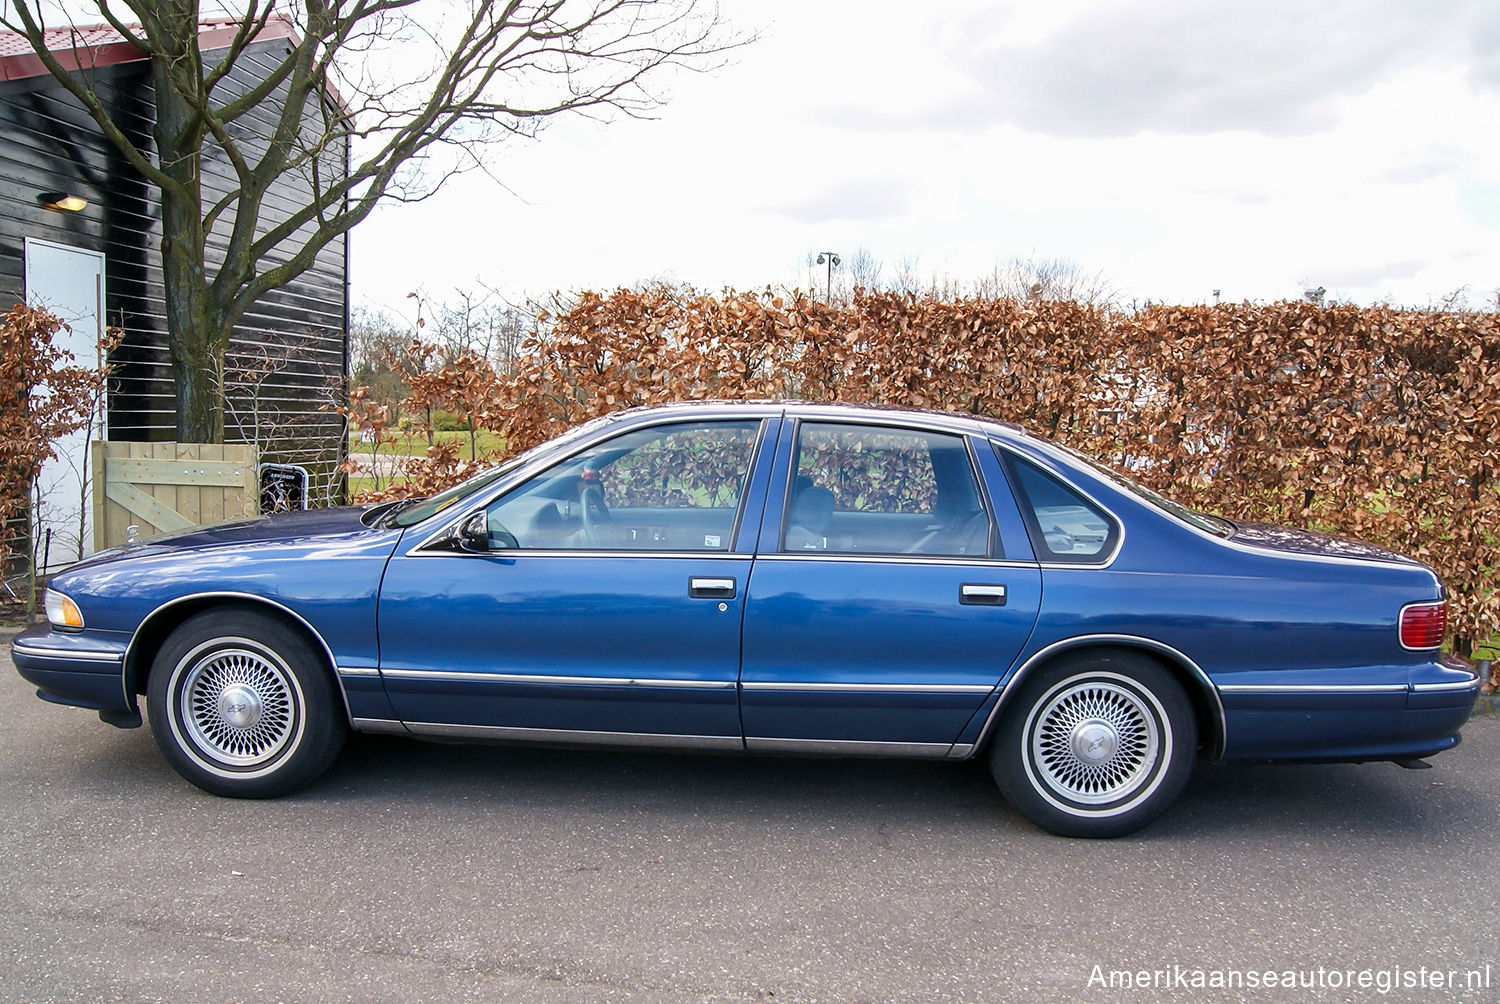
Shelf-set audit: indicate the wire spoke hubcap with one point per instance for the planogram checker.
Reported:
(1095, 742)
(239, 707)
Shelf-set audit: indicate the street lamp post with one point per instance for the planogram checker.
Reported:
(830, 259)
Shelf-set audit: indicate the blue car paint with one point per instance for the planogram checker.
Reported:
(1287, 640)
(323, 567)
(869, 626)
(866, 625)
(524, 616)
(1297, 630)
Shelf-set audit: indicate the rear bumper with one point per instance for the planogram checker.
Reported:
(1353, 721)
(75, 669)
(1446, 683)
(1440, 701)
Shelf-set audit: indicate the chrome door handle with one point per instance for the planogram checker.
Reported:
(982, 594)
(711, 589)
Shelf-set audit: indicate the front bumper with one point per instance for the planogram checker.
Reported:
(84, 669)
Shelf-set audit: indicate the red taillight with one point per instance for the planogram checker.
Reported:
(1423, 624)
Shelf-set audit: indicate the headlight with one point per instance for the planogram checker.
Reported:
(62, 612)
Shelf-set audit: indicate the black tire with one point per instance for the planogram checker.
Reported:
(1096, 745)
(242, 704)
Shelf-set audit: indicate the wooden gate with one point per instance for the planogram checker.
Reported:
(162, 487)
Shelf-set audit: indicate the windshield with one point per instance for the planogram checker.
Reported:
(1215, 525)
(442, 500)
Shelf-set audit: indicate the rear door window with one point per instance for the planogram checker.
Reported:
(883, 490)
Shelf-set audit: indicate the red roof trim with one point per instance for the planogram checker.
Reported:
(86, 47)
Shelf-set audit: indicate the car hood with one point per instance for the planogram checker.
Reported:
(1312, 542)
(280, 528)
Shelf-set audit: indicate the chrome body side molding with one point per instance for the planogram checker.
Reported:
(501, 733)
(381, 725)
(65, 654)
(553, 681)
(847, 747)
(1437, 688)
(872, 688)
(359, 671)
(1258, 688)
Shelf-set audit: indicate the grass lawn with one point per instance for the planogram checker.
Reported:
(415, 445)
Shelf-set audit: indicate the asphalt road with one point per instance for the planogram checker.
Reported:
(425, 872)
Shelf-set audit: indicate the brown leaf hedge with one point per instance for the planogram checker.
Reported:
(45, 394)
(1376, 423)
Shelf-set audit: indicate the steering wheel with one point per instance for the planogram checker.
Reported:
(598, 524)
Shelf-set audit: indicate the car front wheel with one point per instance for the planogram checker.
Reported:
(1096, 746)
(241, 704)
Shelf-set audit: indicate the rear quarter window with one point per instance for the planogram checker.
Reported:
(1064, 525)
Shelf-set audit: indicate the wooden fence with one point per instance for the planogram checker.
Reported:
(163, 487)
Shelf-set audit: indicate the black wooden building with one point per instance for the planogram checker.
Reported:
(288, 355)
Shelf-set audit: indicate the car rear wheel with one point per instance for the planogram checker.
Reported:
(1096, 746)
(242, 705)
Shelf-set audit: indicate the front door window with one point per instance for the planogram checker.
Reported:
(666, 488)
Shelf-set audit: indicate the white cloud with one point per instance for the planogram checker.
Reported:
(1344, 145)
(848, 199)
(1181, 66)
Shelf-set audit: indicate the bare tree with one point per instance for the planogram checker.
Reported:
(906, 277)
(481, 323)
(1455, 301)
(947, 287)
(863, 269)
(374, 338)
(814, 271)
(1045, 279)
(422, 92)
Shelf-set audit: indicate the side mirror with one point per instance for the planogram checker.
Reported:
(474, 534)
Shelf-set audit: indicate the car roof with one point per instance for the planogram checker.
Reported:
(835, 411)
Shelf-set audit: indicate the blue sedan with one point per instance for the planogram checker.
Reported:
(771, 578)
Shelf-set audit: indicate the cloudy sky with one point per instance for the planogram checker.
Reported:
(1175, 146)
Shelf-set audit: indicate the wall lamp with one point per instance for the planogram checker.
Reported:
(62, 202)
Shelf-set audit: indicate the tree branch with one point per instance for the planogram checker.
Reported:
(74, 84)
